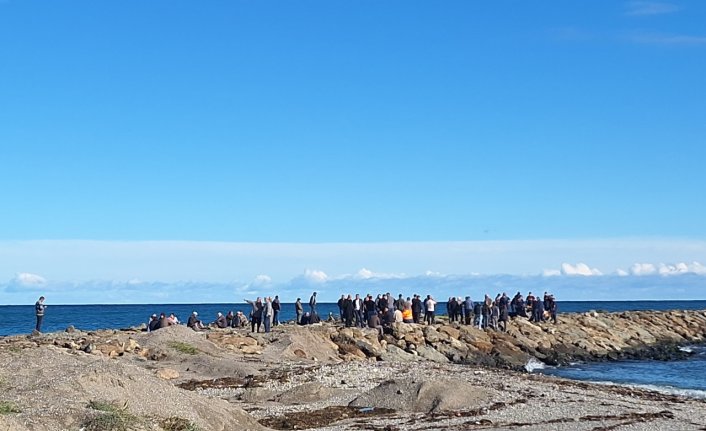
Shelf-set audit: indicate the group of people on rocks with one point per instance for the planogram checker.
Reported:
(230, 320)
(382, 311)
(488, 313)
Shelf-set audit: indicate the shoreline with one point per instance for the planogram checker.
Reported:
(326, 377)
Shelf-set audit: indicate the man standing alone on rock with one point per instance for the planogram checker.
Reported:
(312, 304)
(39, 312)
(299, 309)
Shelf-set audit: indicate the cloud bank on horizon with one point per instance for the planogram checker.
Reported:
(643, 281)
(80, 272)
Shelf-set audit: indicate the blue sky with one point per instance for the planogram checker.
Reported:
(244, 123)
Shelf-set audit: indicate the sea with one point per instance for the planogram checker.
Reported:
(684, 377)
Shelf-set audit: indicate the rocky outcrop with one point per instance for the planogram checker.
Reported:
(582, 336)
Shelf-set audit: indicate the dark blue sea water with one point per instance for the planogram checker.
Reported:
(686, 377)
(19, 319)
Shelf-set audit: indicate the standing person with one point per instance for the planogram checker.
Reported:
(487, 311)
(358, 310)
(430, 305)
(312, 304)
(299, 309)
(468, 310)
(416, 308)
(504, 315)
(276, 307)
(348, 311)
(269, 314)
(340, 306)
(370, 307)
(39, 308)
(478, 312)
(255, 314)
(552, 308)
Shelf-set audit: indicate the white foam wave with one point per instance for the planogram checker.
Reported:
(534, 364)
(686, 350)
(667, 390)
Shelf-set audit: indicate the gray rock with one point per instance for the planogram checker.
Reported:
(424, 396)
(429, 353)
(395, 354)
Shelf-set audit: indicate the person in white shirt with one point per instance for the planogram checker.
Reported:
(430, 305)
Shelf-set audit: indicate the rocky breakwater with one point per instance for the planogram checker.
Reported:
(591, 336)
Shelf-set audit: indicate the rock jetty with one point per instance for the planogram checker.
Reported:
(590, 336)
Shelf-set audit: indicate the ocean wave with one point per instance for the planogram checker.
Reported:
(686, 349)
(667, 390)
(534, 364)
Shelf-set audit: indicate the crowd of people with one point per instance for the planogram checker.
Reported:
(381, 311)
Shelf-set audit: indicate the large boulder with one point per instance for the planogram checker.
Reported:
(425, 396)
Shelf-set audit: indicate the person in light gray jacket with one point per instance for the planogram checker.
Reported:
(268, 314)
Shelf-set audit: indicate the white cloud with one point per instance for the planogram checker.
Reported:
(697, 268)
(649, 8)
(28, 279)
(643, 269)
(365, 273)
(681, 268)
(579, 269)
(551, 273)
(621, 272)
(315, 275)
(262, 279)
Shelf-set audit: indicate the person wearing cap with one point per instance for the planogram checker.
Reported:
(194, 322)
(220, 321)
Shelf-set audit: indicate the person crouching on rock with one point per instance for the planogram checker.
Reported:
(240, 321)
(153, 324)
(194, 322)
(306, 319)
(221, 321)
(163, 322)
(172, 320)
(374, 322)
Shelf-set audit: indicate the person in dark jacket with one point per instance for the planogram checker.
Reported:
(416, 309)
(369, 306)
(537, 311)
(255, 314)
(194, 322)
(468, 310)
(340, 306)
(276, 307)
(39, 308)
(153, 324)
(504, 313)
(348, 312)
(553, 307)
